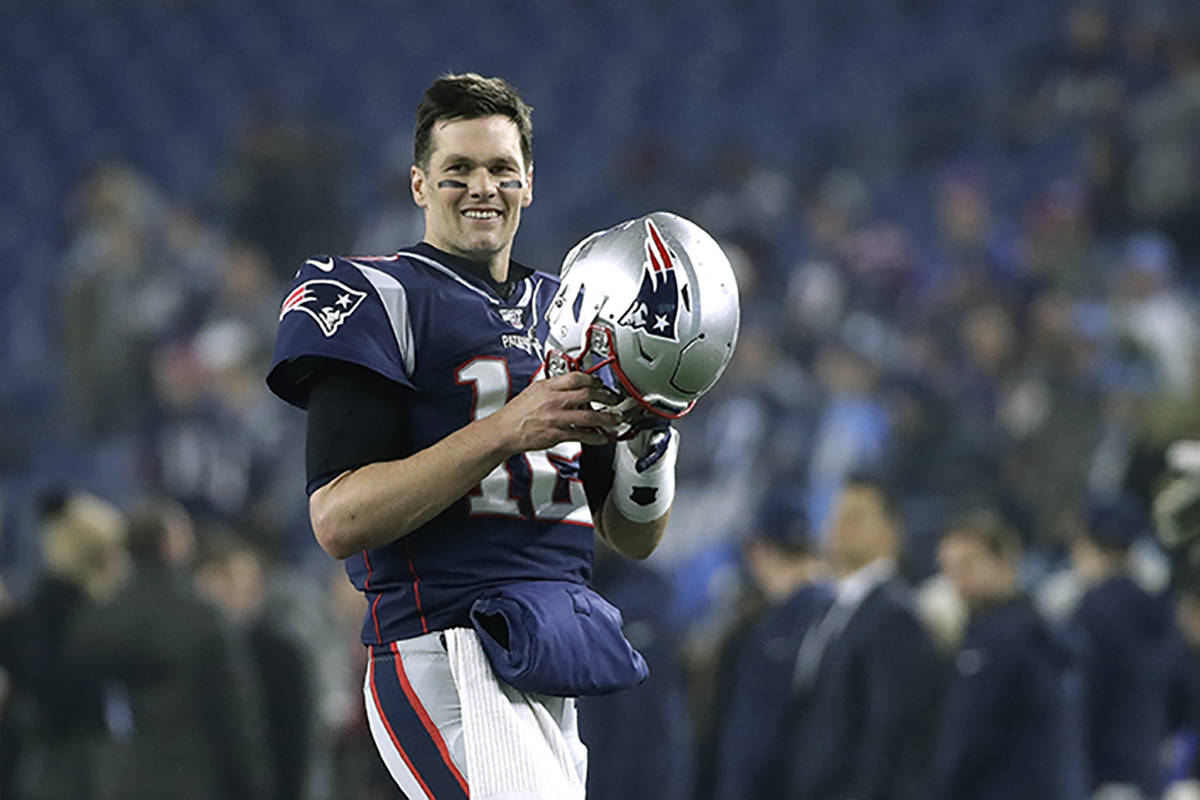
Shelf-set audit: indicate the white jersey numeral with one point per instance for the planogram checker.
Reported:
(494, 496)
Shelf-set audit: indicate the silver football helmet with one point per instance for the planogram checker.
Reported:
(655, 301)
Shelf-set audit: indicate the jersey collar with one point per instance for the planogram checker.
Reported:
(476, 270)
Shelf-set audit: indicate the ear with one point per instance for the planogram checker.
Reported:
(527, 194)
(419, 185)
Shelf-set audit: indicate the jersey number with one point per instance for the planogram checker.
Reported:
(552, 494)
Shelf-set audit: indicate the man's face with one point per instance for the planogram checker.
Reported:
(474, 189)
(978, 575)
(860, 531)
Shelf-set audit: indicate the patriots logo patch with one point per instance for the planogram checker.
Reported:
(656, 307)
(327, 301)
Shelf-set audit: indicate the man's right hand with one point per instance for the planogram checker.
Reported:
(556, 410)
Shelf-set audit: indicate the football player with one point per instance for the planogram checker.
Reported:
(449, 468)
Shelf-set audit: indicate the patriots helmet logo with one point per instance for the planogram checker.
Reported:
(327, 301)
(656, 307)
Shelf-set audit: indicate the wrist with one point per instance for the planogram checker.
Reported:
(496, 438)
(644, 496)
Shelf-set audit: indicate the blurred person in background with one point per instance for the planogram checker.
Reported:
(1164, 122)
(758, 662)
(866, 687)
(125, 288)
(1124, 632)
(852, 427)
(1008, 729)
(640, 742)
(357, 770)
(1184, 700)
(182, 711)
(57, 723)
(1155, 312)
(232, 574)
(283, 188)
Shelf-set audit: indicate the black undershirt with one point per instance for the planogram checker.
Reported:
(357, 417)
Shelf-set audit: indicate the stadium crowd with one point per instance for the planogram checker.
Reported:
(912, 555)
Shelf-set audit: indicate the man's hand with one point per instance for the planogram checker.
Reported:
(556, 410)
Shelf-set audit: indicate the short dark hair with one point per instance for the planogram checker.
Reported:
(469, 96)
(1000, 538)
(873, 480)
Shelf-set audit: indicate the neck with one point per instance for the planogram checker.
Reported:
(496, 263)
(847, 568)
(998, 595)
(1096, 566)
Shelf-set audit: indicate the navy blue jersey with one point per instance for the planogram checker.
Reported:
(424, 321)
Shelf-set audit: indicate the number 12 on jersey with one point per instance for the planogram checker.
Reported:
(541, 483)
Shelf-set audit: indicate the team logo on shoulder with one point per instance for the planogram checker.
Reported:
(656, 307)
(329, 302)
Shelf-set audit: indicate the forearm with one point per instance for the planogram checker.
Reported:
(637, 504)
(631, 539)
(381, 502)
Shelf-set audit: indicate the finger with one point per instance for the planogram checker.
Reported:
(586, 418)
(603, 395)
(592, 436)
(572, 380)
(581, 398)
(576, 398)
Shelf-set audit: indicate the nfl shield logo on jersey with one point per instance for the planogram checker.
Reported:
(328, 302)
(513, 316)
(656, 307)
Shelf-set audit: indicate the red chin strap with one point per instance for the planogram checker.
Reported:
(576, 365)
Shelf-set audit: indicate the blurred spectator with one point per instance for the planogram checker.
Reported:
(233, 576)
(119, 297)
(57, 723)
(1125, 635)
(639, 741)
(1051, 414)
(1184, 705)
(1010, 726)
(757, 673)
(358, 771)
(850, 430)
(218, 443)
(1154, 311)
(1085, 84)
(284, 190)
(182, 713)
(1164, 124)
(859, 719)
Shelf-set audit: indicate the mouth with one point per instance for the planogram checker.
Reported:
(483, 214)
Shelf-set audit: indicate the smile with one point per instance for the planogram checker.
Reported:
(481, 214)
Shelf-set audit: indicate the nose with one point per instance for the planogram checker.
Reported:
(482, 184)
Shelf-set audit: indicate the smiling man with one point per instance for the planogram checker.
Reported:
(454, 485)
(474, 186)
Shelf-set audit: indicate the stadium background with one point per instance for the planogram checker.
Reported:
(966, 235)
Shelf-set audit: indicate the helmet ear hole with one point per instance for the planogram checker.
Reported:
(578, 304)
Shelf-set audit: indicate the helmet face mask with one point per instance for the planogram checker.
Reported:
(650, 306)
